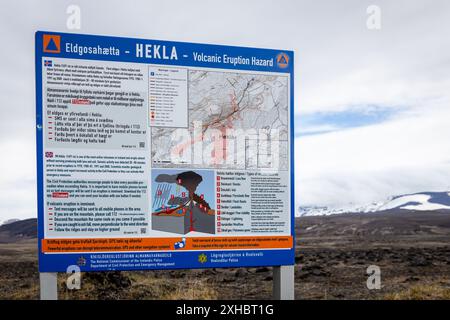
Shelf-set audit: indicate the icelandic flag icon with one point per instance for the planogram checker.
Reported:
(48, 63)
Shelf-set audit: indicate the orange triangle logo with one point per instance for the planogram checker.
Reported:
(51, 43)
(282, 60)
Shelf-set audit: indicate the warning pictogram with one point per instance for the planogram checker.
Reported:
(51, 43)
(282, 60)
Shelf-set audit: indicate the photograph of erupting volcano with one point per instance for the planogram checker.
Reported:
(183, 201)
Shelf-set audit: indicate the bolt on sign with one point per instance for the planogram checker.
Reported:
(159, 155)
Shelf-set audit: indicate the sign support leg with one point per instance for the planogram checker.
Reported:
(283, 283)
(48, 285)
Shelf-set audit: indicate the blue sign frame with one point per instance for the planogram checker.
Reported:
(58, 262)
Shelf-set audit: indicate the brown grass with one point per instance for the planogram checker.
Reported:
(421, 292)
(143, 286)
(28, 293)
(196, 290)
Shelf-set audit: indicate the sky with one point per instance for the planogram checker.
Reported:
(372, 107)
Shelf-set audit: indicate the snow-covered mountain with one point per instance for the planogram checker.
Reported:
(423, 201)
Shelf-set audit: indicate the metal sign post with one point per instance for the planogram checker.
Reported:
(48, 285)
(283, 283)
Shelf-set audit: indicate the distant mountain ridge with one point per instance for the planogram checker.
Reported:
(9, 221)
(18, 230)
(421, 201)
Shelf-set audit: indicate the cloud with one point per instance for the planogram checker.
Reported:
(324, 122)
(18, 179)
(360, 165)
(404, 64)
